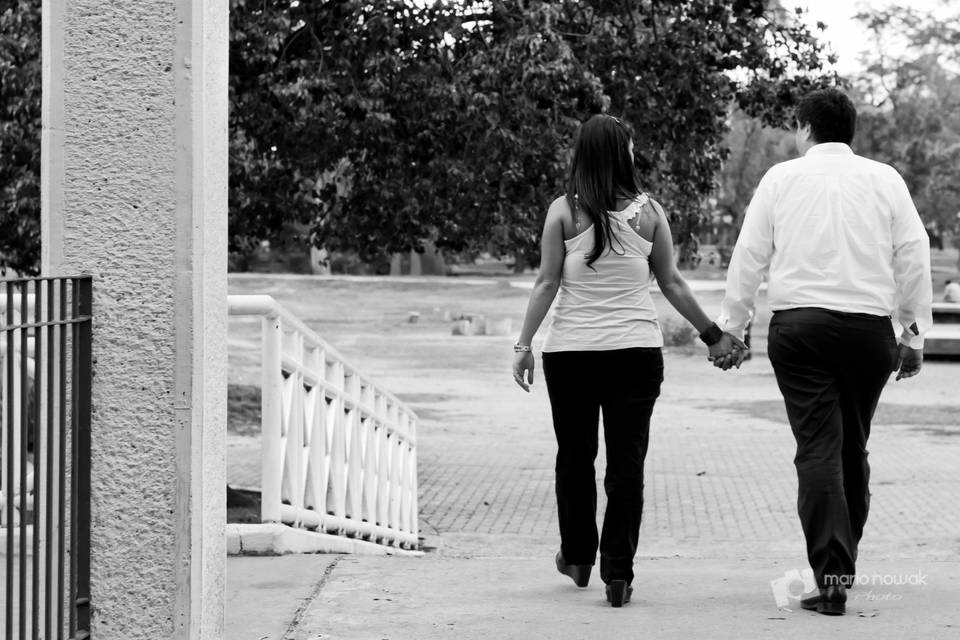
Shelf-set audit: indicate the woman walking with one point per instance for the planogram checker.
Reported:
(601, 241)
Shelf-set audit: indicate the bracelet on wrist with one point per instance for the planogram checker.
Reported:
(521, 348)
(711, 335)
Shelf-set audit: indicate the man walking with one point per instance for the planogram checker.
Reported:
(845, 250)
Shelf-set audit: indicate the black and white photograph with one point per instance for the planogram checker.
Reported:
(474, 319)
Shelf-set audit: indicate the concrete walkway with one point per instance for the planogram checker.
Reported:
(675, 598)
(719, 523)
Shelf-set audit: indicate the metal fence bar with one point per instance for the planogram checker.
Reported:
(38, 486)
(24, 415)
(80, 522)
(39, 497)
(50, 332)
(62, 457)
(8, 448)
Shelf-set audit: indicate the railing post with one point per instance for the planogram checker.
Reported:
(295, 461)
(370, 430)
(354, 449)
(337, 491)
(317, 426)
(414, 479)
(271, 407)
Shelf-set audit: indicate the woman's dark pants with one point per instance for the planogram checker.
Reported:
(624, 384)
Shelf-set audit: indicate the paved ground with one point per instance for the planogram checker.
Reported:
(676, 599)
(720, 520)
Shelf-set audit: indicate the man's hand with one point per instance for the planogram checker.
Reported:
(728, 352)
(909, 362)
(523, 362)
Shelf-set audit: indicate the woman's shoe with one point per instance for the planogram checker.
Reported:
(580, 573)
(618, 593)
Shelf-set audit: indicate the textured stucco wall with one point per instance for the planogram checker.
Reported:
(141, 174)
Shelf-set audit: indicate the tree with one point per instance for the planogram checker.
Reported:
(20, 85)
(911, 112)
(383, 124)
(389, 124)
(753, 149)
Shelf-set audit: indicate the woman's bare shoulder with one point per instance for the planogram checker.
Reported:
(648, 218)
(560, 205)
(560, 211)
(654, 206)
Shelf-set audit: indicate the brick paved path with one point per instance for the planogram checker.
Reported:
(719, 469)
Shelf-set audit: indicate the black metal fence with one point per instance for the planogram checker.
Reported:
(45, 369)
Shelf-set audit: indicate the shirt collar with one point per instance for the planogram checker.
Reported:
(831, 148)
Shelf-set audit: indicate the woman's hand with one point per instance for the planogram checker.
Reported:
(729, 351)
(523, 361)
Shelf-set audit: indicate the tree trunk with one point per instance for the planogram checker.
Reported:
(396, 264)
(519, 262)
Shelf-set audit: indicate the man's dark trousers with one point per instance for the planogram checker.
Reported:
(831, 368)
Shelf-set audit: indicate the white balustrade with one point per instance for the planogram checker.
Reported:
(338, 453)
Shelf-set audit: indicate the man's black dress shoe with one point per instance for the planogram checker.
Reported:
(580, 573)
(618, 593)
(831, 601)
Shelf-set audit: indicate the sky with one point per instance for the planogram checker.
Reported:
(847, 38)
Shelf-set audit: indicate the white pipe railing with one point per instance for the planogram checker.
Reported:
(338, 453)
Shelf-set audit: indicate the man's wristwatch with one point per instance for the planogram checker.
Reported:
(711, 335)
(521, 348)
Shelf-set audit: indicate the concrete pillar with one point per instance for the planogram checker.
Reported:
(134, 192)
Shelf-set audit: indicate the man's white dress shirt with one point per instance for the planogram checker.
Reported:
(837, 231)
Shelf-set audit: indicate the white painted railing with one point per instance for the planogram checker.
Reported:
(338, 453)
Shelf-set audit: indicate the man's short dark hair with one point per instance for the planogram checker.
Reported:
(830, 114)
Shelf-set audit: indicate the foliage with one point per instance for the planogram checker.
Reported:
(20, 85)
(384, 124)
(911, 115)
(753, 149)
(387, 124)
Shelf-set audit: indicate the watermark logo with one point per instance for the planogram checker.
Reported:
(791, 587)
(918, 579)
(796, 584)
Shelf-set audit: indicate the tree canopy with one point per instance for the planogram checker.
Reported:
(911, 113)
(20, 85)
(382, 124)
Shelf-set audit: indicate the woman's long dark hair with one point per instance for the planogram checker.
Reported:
(601, 170)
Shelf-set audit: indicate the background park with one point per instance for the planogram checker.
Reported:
(390, 164)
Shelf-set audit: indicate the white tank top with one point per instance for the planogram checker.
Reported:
(608, 305)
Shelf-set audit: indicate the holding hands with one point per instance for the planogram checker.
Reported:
(729, 351)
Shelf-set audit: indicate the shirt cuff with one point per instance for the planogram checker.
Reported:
(727, 325)
(914, 342)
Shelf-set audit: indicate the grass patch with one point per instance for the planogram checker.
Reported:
(243, 409)
(243, 506)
